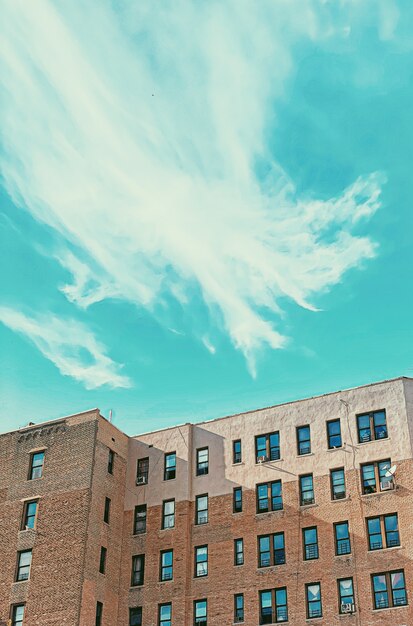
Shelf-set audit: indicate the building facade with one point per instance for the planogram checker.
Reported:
(300, 513)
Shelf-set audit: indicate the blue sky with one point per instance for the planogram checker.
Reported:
(205, 207)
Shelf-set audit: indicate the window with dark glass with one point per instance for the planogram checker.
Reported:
(166, 568)
(165, 614)
(36, 465)
(29, 514)
(237, 500)
(269, 496)
(345, 596)
(201, 509)
(17, 615)
(303, 440)
(99, 613)
(106, 512)
(102, 560)
(383, 532)
(389, 589)
(306, 489)
(372, 426)
(170, 466)
(334, 434)
(142, 472)
(238, 552)
(135, 616)
(139, 520)
(168, 514)
(273, 606)
(111, 460)
(313, 597)
(24, 561)
(338, 484)
(271, 550)
(200, 613)
(202, 461)
(267, 447)
(310, 543)
(201, 561)
(238, 608)
(373, 477)
(342, 538)
(236, 451)
(138, 570)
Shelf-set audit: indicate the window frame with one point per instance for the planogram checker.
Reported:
(276, 607)
(102, 560)
(99, 613)
(168, 515)
(168, 620)
(237, 500)
(239, 618)
(139, 508)
(307, 556)
(300, 442)
(239, 554)
(389, 590)
(199, 511)
(308, 602)
(272, 452)
(202, 467)
(169, 470)
(162, 567)
(236, 454)
(383, 532)
(26, 516)
(330, 436)
(33, 467)
(302, 491)
(202, 563)
(341, 598)
(203, 621)
(133, 615)
(336, 494)
(337, 540)
(270, 498)
(13, 614)
(138, 558)
(18, 576)
(106, 510)
(111, 461)
(378, 478)
(142, 471)
(372, 427)
(277, 556)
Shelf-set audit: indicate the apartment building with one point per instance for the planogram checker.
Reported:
(300, 513)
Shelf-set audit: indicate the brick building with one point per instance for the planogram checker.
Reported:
(300, 513)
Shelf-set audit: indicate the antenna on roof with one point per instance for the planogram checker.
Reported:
(110, 416)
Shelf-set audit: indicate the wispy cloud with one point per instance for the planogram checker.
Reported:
(143, 137)
(70, 346)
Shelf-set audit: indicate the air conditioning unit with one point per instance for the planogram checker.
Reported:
(262, 459)
(388, 485)
(348, 608)
(141, 480)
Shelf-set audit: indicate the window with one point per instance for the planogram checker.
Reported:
(334, 434)
(269, 496)
(237, 500)
(371, 426)
(24, 561)
(383, 532)
(273, 606)
(238, 552)
(271, 550)
(202, 461)
(267, 447)
(201, 561)
(236, 451)
(170, 466)
(310, 543)
(238, 607)
(135, 616)
(36, 465)
(29, 514)
(313, 598)
(102, 561)
(99, 613)
(106, 513)
(306, 489)
(200, 613)
(342, 538)
(303, 440)
(389, 589)
(17, 615)
(345, 595)
(201, 509)
(165, 614)
(138, 570)
(166, 569)
(338, 484)
(111, 460)
(142, 473)
(373, 477)
(168, 514)
(139, 520)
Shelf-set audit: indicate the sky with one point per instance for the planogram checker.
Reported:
(205, 207)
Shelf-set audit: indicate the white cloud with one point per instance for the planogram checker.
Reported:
(70, 346)
(137, 136)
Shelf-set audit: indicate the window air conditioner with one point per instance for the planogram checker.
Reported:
(262, 459)
(348, 608)
(387, 485)
(141, 480)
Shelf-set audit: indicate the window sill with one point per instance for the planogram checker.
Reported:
(136, 587)
(366, 443)
(335, 449)
(163, 582)
(390, 608)
(138, 534)
(310, 620)
(260, 515)
(378, 493)
(304, 507)
(300, 456)
(269, 462)
(346, 499)
(385, 550)
(169, 480)
(234, 465)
